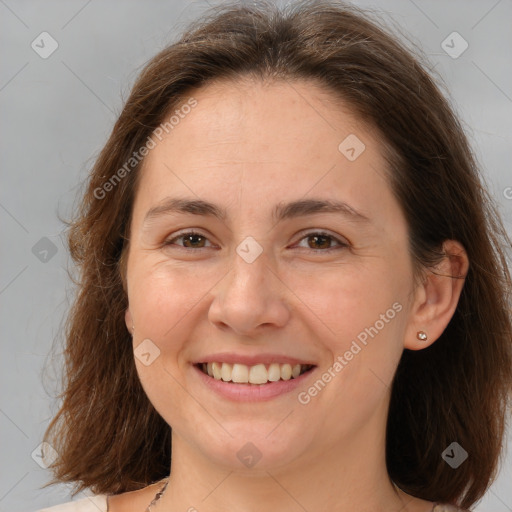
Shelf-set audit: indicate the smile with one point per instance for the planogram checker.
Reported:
(256, 374)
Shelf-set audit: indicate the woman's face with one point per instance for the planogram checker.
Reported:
(264, 282)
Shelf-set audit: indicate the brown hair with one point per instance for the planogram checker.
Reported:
(108, 436)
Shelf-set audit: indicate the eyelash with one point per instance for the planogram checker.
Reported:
(341, 244)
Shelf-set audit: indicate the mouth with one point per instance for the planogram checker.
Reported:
(258, 374)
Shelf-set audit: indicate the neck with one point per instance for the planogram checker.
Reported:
(353, 477)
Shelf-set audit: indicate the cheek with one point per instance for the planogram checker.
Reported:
(362, 337)
(358, 316)
(347, 299)
(162, 296)
(161, 303)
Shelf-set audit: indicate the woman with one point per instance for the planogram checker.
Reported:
(288, 258)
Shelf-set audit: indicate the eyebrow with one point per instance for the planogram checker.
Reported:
(281, 211)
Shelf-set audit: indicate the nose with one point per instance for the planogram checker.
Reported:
(250, 299)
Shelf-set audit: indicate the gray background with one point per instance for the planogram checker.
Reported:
(56, 115)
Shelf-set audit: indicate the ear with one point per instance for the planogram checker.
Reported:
(128, 320)
(437, 297)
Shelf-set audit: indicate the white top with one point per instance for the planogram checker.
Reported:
(96, 503)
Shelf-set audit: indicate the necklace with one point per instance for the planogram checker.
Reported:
(160, 493)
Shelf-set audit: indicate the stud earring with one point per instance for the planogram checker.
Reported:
(133, 329)
(421, 335)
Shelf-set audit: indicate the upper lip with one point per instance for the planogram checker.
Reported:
(251, 360)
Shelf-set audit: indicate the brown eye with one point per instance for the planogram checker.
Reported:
(320, 241)
(191, 240)
(323, 242)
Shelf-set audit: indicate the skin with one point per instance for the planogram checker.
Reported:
(247, 147)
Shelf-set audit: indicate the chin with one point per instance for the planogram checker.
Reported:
(252, 450)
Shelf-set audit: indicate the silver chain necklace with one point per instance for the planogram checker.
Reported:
(158, 495)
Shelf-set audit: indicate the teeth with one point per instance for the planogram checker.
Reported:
(226, 371)
(286, 371)
(274, 372)
(217, 371)
(240, 373)
(257, 374)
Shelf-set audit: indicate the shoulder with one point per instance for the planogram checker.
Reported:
(125, 502)
(445, 507)
(96, 503)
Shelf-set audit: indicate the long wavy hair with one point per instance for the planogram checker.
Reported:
(107, 434)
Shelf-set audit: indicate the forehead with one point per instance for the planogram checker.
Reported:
(270, 116)
(255, 144)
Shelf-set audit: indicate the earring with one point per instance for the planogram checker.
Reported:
(421, 335)
(133, 329)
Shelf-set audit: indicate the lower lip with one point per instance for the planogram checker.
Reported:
(252, 392)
